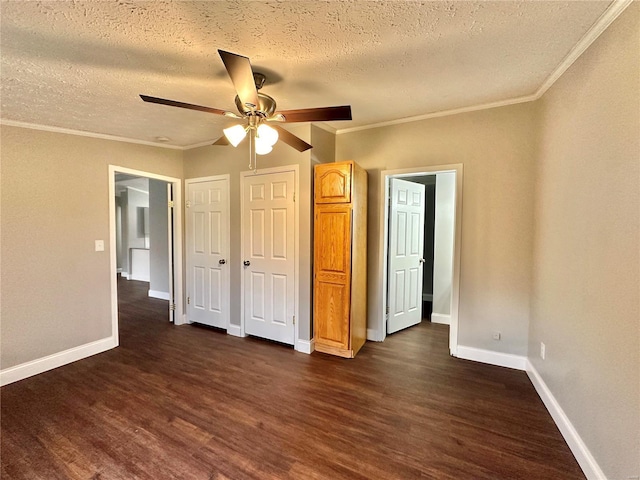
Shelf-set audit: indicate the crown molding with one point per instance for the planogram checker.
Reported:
(441, 113)
(208, 143)
(325, 127)
(81, 133)
(612, 12)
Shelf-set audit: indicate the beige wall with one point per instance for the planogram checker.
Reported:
(497, 150)
(55, 203)
(586, 290)
(215, 160)
(324, 145)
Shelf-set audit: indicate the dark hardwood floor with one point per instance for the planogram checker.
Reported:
(190, 402)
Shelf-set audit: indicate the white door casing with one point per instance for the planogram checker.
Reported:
(379, 300)
(268, 255)
(406, 243)
(170, 207)
(207, 240)
(177, 244)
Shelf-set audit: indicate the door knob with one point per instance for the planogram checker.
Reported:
(222, 261)
(246, 263)
(422, 260)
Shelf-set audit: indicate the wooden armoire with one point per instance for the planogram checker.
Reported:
(340, 258)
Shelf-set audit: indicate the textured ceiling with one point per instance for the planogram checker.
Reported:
(81, 65)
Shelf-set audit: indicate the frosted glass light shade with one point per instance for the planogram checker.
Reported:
(267, 134)
(262, 148)
(235, 134)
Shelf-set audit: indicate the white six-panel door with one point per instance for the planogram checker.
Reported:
(208, 252)
(268, 254)
(406, 243)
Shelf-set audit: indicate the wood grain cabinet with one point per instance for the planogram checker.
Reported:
(340, 258)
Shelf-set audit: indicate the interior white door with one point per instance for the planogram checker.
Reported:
(207, 252)
(406, 243)
(268, 221)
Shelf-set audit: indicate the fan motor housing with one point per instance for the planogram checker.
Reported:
(266, 108)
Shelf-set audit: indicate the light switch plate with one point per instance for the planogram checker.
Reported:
(99, 245)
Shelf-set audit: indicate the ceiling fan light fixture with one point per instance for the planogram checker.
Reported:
(235, 134)
(257, 108)
(262, 148)
(267, 134)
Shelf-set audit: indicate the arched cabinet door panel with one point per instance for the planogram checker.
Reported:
(333, 183)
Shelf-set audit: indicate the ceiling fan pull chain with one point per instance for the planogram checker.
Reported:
(255, 158)
(251, 148)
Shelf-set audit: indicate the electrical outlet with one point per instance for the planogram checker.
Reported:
(543, 350)
(496, 335)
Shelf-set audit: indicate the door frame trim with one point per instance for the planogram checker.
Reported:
(297, 344)
(177, 243)
(227, 273)
(378, 316)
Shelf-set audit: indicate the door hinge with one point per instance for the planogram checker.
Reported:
(188, 300)
(172, 307)
(387, 312)
(188, 203)
(171, 204)
(294, 319)
(294, 196)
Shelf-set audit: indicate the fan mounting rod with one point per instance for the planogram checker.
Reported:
(259, 79)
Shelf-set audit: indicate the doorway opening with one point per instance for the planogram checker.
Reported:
(145, 225)
(400, 297)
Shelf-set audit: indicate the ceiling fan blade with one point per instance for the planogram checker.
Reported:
(323, 114)
(222, 141)
(189, 106)
(239, 69)
(290, 139)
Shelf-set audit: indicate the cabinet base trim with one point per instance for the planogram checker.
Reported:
(340, 352)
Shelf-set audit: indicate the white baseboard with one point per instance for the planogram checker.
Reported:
(440, 318)
(586, 461)
(40, 365)
(124, 275)
(306, 346)
(372, 335)
(139, 278)
(159, 294)
(500, 359)
(180, 319)
(235, 330)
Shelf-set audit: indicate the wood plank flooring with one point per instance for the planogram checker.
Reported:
(190, 402)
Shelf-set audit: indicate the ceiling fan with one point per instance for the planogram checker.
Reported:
(257, 109)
